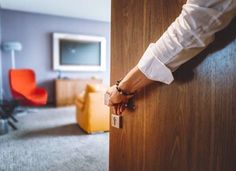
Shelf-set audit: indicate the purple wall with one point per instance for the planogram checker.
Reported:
(34, 31)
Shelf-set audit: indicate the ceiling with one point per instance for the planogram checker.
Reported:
(87, 9)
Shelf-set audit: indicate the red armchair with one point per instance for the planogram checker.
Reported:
(23, 87)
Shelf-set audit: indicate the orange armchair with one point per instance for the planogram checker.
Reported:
(23, 87)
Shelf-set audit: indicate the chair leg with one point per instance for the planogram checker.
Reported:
(12, 125)
(13, 118)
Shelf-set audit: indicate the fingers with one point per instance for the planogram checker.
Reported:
(122, 108)
(112, 96)
(114, 99)
(118, 109)
(115, 109)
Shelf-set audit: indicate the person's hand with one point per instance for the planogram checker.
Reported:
(130, 84)
(116, 100)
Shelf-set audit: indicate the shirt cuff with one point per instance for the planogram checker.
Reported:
(153, 68)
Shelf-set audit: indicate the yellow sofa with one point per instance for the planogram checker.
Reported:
(91, 113)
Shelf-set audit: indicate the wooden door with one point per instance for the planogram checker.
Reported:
(189, 125)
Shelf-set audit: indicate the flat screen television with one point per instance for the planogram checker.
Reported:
(73, 52)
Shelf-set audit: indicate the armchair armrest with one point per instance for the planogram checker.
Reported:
(79, 104)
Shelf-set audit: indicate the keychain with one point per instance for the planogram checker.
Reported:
(116, 120)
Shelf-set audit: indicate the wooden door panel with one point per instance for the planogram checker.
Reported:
(188, 125)
(126, 36)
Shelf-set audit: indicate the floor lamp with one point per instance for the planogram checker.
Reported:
(12, 47)
(7, 107)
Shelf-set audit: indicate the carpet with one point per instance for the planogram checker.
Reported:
(50, 140)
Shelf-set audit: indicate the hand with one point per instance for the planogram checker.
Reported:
(115, 100)
(119, 108)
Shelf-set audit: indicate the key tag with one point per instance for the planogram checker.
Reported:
(116, 121)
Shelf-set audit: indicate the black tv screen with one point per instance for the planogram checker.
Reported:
(79, 53)
(73, 52)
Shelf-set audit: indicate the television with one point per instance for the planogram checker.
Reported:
(75, 52)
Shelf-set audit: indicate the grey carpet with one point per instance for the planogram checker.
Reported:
(50, 140)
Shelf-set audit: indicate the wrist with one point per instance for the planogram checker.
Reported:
(124, 89)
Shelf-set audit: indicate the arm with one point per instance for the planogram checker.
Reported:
(187, 36)
(134, 80)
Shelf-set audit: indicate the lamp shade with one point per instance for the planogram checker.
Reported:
(11, 46)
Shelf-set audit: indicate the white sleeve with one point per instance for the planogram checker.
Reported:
(187, 36)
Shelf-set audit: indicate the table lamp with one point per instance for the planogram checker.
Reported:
(12, 47)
